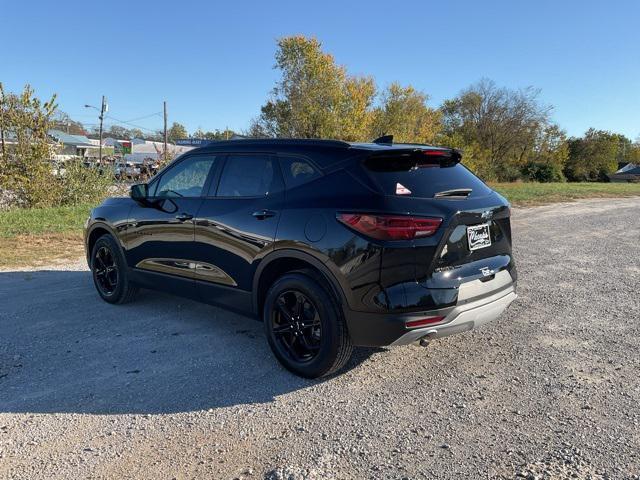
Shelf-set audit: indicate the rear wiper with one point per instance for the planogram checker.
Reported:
(455, 193)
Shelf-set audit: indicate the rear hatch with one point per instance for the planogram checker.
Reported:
(474, 240)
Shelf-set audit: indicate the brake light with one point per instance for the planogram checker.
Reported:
(436, 153)
(423, 322)
(390, 227)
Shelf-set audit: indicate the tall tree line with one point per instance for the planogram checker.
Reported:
(506, 134)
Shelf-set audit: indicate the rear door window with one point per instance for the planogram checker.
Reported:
(248, 176)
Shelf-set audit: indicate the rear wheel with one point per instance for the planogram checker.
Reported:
(109, 271)
(304, 326)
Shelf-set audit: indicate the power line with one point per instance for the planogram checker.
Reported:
(158, 114)
(127, 123)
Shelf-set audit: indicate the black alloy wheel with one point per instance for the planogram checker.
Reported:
(109, 271)
(105, 270)
(296, 325)
(304, 325)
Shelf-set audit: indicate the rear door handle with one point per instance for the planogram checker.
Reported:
(183, 217)
(262, 214)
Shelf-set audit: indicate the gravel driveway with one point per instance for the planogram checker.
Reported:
(166, 388)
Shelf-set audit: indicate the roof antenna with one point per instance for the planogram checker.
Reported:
(387, 139)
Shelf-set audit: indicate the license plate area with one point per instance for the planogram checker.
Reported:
(478, 236)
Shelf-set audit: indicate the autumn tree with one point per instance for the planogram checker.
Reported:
(547, 155)
(176, 132)
(315, 97)
(403, 112)
(502, 124)
(593, 156)
(225, 134)
(25, 168)
(62, 121)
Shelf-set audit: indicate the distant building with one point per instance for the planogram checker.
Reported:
(77, 145)
(146, 151)
(630, 173)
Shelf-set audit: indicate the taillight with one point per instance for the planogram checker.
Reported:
(423, 322)
(390, 227)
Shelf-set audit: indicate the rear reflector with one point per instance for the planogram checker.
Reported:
(423, 322)
(390, 227)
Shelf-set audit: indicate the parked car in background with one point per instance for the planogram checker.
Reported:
(331, 244)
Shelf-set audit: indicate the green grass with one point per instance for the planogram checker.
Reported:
(37, 221)
(522, 194)
(38, 236)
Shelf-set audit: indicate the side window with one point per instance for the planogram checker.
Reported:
(247, 176)
(186, 179)
(297, 171)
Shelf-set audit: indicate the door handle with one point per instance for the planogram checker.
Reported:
(262, 214)
(183, 217)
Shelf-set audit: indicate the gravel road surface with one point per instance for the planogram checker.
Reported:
(167, 388)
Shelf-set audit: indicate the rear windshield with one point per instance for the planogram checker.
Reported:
(398, 178)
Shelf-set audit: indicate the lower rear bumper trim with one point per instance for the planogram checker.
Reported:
(463, 318)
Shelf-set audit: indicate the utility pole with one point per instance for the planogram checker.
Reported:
(102, 109)
(2, 119)
(164, 104)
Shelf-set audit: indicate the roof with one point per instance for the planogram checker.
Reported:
(67, 139)
(326, 153)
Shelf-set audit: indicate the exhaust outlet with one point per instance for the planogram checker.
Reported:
(426, 340)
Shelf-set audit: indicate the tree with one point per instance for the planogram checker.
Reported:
(25, 168)
(121, 133)
(501, 123)
(592, 157)
(314, 98)
(404, 113)
(547, 155)
(136, 133)
(215, 135)
(176, 132)
(62, 121)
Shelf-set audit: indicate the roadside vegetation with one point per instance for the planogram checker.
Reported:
(521, 194)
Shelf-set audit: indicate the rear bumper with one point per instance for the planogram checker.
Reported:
(461, 319)
(479, 302)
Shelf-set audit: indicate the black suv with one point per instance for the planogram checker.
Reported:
(331, 244)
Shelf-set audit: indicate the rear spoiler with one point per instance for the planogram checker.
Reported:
(403, 159)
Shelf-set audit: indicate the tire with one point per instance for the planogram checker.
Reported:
(320, 325)
(109, 272)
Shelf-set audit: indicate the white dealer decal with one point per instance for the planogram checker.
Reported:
(478, 236)
(402, 190)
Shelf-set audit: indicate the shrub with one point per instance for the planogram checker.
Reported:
(77, 184)
(542, 172)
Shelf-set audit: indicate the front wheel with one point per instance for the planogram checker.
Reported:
(305, 327)
(109, 271)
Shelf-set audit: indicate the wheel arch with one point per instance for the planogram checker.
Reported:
(96, 231)
(282, 261)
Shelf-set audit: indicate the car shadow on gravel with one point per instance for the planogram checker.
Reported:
(64, 350)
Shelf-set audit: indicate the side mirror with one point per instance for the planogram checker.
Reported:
(139, 192)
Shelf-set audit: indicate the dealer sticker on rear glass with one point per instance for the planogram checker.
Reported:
(478, 236)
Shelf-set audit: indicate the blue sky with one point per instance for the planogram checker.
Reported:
(213, 64)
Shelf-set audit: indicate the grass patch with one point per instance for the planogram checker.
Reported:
(37, 236)
(36, 221)
(523, 194)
